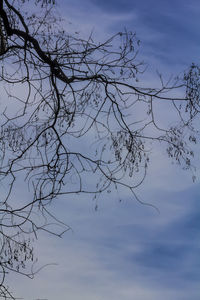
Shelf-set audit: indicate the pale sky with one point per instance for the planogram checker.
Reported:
(125, 250)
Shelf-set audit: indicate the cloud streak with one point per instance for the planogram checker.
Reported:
(126, 250)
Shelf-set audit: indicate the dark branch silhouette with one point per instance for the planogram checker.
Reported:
(74, 111)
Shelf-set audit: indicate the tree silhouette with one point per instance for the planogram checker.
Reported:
(75, 119)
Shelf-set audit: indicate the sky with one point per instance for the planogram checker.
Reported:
(126, 250)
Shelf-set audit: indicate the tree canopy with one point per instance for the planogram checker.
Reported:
(76, 118)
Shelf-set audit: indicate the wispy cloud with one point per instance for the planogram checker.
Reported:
(123, 251)
(126, 250)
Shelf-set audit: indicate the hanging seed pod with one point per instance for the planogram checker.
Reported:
(3, 39)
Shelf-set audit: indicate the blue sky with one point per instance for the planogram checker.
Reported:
(126, 250)
(168, 30)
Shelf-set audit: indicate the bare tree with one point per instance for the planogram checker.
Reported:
(74, 109)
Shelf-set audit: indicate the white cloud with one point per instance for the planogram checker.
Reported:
(92, 262)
